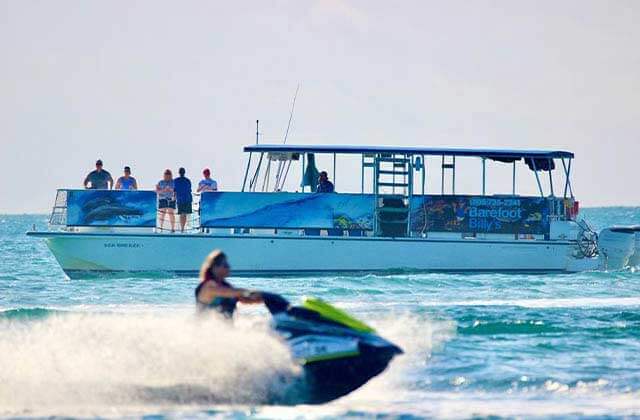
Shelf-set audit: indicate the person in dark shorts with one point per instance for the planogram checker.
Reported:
(99, 179)
(167, 199)
(182, 186)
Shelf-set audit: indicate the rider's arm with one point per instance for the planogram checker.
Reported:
(211, 291)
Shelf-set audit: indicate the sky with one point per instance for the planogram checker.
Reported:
(159, 84)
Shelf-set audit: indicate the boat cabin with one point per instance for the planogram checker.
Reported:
(393, 189)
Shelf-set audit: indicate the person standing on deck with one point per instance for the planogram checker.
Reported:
(207, 184)
(182, 186)
(126, 182)
(324, 185)
(99, 179)
(167, 199)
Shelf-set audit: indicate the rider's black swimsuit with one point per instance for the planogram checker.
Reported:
(226, 306)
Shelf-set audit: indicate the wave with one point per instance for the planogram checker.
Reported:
(52, 359)
(585, 302)
(27, 313)
(508, 327)
(81, 361)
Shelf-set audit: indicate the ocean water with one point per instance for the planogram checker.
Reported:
(488, 345)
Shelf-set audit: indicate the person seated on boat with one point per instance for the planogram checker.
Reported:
(215, 292)
(207, 184)
(166, 199)
(126, 182)
(182, 186)
(100, 179)
(324, 185)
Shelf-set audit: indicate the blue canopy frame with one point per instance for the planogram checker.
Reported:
(410, 150)
(536, 160)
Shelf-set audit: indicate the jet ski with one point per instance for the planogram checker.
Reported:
(337, 352)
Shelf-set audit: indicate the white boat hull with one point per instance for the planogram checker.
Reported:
(81, 253)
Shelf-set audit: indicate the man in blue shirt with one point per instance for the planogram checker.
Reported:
(99, 179)
(182, 187)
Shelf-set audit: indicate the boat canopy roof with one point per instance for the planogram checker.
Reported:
(497, 154)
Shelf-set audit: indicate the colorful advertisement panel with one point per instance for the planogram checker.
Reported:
(287, 210)
(480, 214)
(111, 208)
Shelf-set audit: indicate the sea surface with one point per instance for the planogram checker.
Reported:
(525, 346)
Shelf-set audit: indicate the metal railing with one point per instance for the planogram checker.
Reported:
(193, 219)
(58, 215)
(557, 207)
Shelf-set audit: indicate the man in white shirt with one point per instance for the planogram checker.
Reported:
(207, 184)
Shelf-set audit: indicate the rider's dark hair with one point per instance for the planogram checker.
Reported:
(215, 259)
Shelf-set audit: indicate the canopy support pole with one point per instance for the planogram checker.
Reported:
(442, 186)
(246, 172)
(267, 175)
(424, 173)
(550, 162)
(304, 155)
(254, 180)
(453, 177)
(334, 170)
(513, 177)
(362, 175)
(484, 176)
(535, 171)
(567, 173)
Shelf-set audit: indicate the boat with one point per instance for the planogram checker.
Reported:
(337, 352)
(396, 221)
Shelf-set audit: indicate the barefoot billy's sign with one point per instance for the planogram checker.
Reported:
(474, 214)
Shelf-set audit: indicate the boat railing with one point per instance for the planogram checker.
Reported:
(312, 214)
(58, 215)
(193, 219)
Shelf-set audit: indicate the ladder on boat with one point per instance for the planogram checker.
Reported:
(393, 187)
(58, 215)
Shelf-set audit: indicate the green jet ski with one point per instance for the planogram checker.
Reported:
(338, 353)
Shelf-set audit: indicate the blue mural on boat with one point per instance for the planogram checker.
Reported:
(111, 208)
(287, 210)
(479, 214)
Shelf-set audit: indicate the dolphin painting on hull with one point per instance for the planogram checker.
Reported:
(108, 212)
(111, 208)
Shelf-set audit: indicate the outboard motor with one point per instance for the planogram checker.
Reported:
(617, 244)
(634, 260)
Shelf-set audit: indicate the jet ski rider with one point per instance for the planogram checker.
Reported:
(215, 292)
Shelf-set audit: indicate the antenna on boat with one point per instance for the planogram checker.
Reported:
(257, 131)
(284, 168)
(293, 107)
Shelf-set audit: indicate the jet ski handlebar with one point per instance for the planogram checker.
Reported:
(275, 303)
